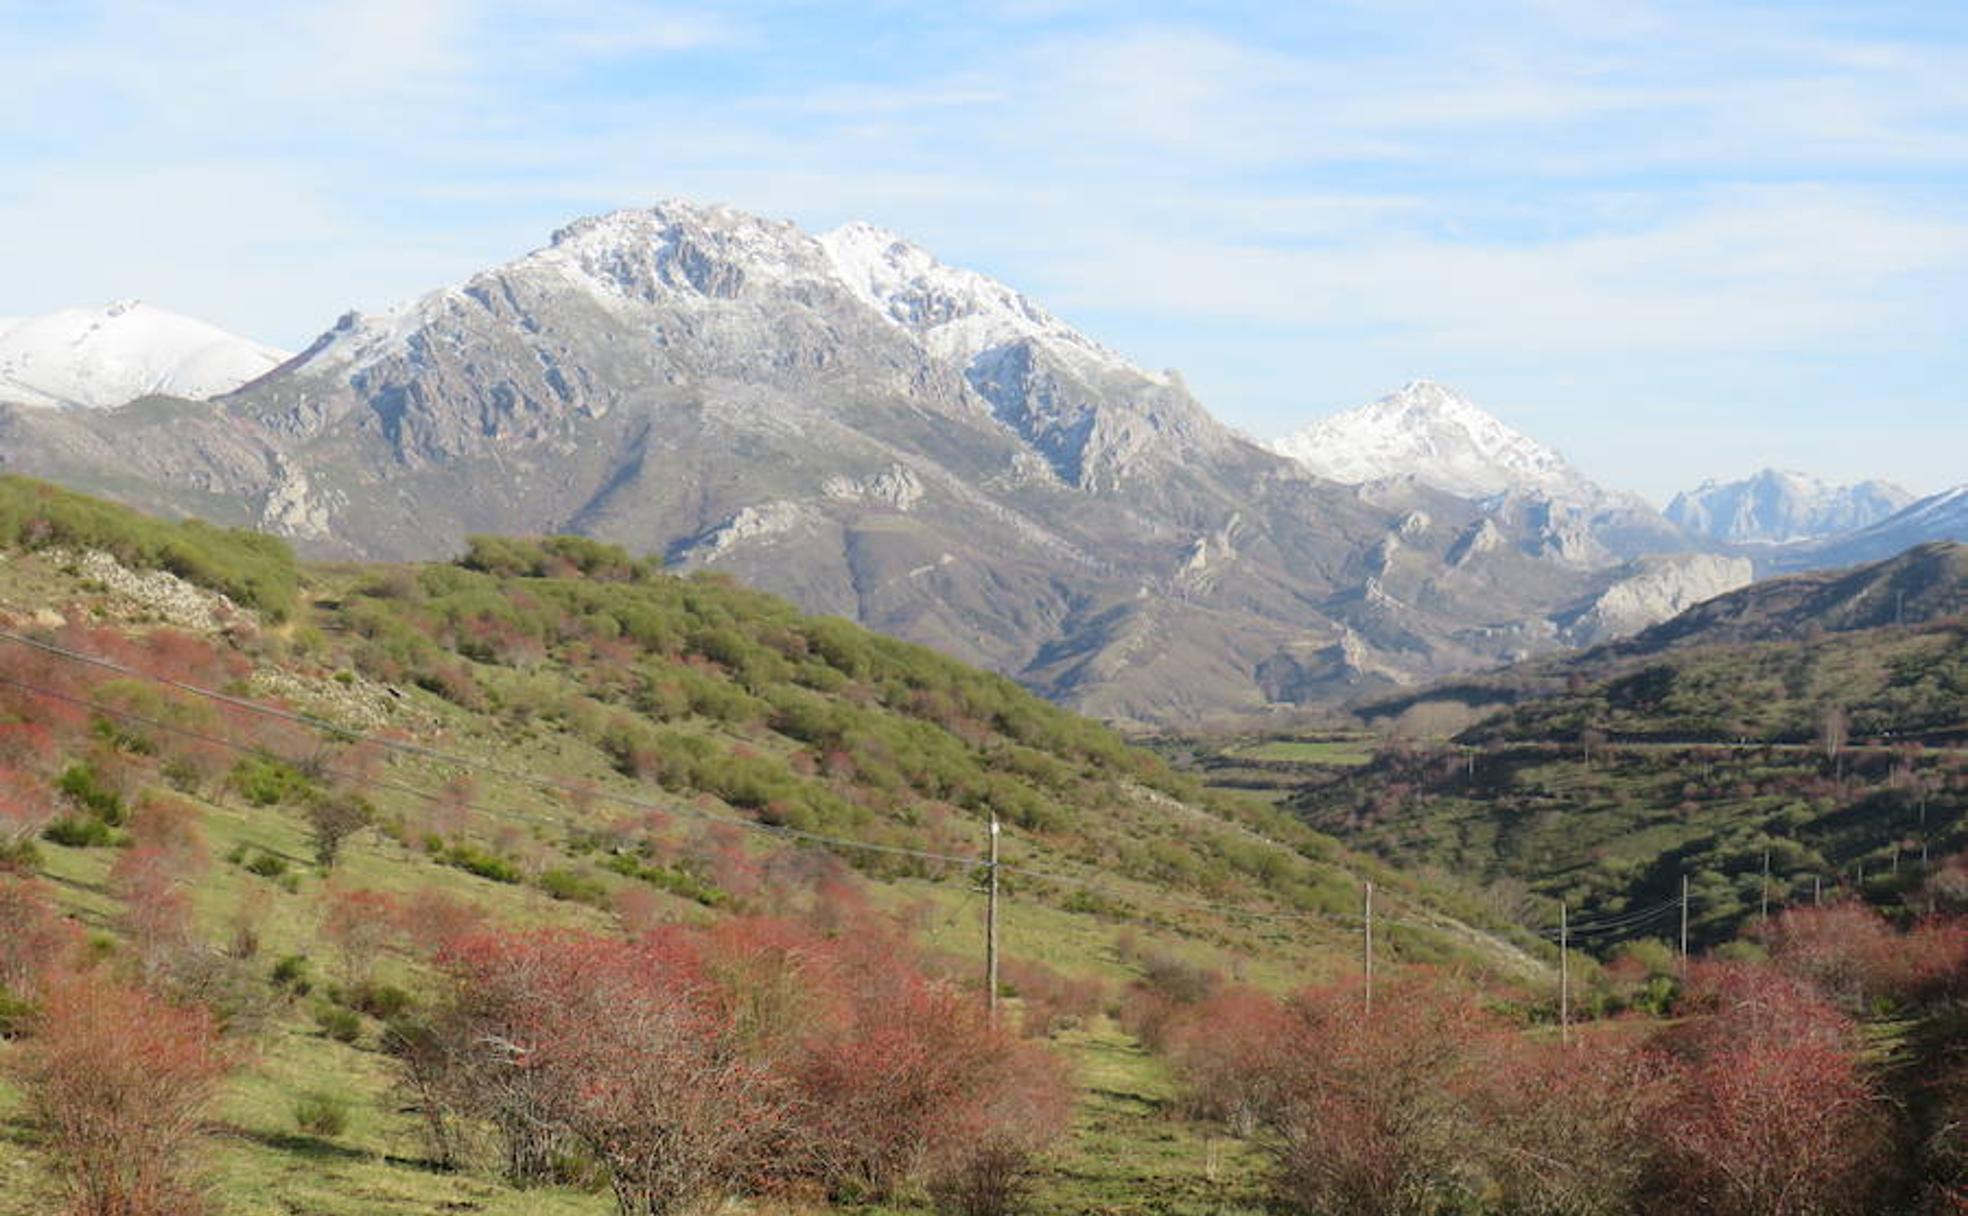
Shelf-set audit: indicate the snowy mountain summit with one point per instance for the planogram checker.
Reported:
(1778, 505)
(959, 313)
(1433, 434)
(97, 358)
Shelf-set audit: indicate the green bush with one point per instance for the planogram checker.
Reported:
(477, 861)
(573, 887)
(267, 781)
(80, 832)
(321, 1114)
(381, 1001)
(291, 974)
(85, 787)
(339, 1024)
(15, 1013)
(267, 865)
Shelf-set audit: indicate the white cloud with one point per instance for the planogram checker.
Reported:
(1562, 184)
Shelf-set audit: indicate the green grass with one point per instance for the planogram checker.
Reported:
(1131, 1153)
(1337, 753)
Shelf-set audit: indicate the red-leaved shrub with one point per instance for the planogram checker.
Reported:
(118, 1081)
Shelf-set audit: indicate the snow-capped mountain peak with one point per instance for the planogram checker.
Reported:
(959, 313)
(687, 253)
(1782, 505)
(1433, 434)
(98, 358)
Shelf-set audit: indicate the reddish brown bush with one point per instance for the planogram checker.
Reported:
(361, 926)
(620, 1047)
(910, 1074)
(118, 1081)
(695, 1063)
(1225, 1052)
(1564, 1124)
(27, 807)
(36, 941)
(1050, 1001)
(152, 882)
(1768, 1111)
(1376, 1116)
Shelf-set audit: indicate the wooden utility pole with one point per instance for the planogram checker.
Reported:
(1684, 925)
(991, 933)
(1564, 976)
(1368, 954)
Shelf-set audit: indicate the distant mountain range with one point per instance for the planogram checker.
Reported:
(1780, 506)
(845, 420)
(97, 358)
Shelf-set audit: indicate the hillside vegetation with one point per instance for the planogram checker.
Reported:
(282, 843)
(1762, 751)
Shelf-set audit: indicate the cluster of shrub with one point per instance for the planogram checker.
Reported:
(813, 1059)
(754, 1057)
(1764, 1089)
(701, 687)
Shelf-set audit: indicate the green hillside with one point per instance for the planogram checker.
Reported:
(1749, 735)
(285, 794)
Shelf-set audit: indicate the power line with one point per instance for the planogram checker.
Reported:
(1615, 923)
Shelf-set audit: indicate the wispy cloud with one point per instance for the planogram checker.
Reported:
(1296, 201)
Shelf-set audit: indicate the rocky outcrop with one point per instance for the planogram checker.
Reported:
(1650, 591)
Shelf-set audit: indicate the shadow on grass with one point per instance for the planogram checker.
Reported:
(311, 1147)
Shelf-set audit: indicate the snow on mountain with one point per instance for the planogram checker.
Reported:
(1433, 434)
(959, 313)
(630, 259)
(1942, 516)
(1781, 506)
(686, 274)
(98, 358)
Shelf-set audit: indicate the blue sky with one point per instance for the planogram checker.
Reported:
(1673, 240)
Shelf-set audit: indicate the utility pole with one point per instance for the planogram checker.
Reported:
(1369, 944)
(1817, 890)
(1564, 976)
(991, 936)
(1765, 912)
(1684, 926)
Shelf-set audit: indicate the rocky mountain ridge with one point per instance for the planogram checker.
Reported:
(846, 421)
(1783, 506)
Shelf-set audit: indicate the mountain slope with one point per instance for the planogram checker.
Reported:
(845, 421)
(1937, 517)
(1794, 729)
(1781, 506)
(98, 358)
(1925, 583)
